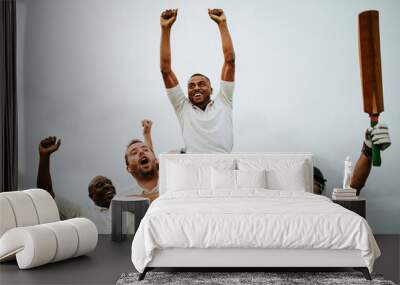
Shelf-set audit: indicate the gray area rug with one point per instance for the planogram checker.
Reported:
(225, 278)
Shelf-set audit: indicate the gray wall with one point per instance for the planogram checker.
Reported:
(89, 73)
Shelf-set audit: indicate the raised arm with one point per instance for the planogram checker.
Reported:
(228, 69)
(167, 19)
(146, 124)
(46, 147)
(361, 172)
(379, 135)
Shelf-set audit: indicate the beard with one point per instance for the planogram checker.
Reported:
(144, 174)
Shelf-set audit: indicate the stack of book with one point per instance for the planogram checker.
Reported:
(344, 194)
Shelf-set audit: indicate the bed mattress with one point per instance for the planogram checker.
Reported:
(250, 219)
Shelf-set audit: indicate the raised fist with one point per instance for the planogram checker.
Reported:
(168, 18)
(146, 124)
(48, 145)
(217, 15)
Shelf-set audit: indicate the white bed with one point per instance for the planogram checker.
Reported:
(225, 217)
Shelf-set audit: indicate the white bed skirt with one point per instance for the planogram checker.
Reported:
(193, 257)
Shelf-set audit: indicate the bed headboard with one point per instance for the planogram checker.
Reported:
(237, 159)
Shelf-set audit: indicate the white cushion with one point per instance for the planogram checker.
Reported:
(7, 218)
(32, 246)
(226, 179)
(184, 178)
(31, 232)
(40, 244)
(223, 179)
(87, 233)
(248, 161)
(186, 174)
(23, 208)
(26, 208)
(290, 179)
(251, 178)
(45, 206)
(281, 174)
(67, 239)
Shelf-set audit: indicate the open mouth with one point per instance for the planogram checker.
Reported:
(144, 161)
(109, 194)
(197, 95)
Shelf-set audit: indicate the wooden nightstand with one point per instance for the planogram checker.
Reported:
(357, 206)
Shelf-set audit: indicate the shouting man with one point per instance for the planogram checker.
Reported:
(206, 124)
(102, 191)
(142, 163)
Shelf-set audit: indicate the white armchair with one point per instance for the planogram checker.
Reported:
(31, 230)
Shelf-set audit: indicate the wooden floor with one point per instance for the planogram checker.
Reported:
(110, 260)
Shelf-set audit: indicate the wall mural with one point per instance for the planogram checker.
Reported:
(206, 125)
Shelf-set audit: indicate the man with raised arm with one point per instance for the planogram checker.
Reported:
(47, 146)
(102, 191)
(379, 136)
(142, 163)
(206, 124)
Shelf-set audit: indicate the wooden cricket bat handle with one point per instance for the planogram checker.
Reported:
(376, 153)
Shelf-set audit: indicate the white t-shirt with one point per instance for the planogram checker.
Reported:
(207, 131)
(67, 210)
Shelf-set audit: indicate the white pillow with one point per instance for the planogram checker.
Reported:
(282, 174)
(188, 173)
(183, 177)
(287, 179)
(251, 178)
(237, 179)
(223, 179)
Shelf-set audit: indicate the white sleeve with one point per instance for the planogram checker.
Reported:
(226, 92)
(177, 98)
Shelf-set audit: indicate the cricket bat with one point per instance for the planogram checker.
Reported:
(371, 72)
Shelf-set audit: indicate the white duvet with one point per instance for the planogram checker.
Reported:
(250, 219)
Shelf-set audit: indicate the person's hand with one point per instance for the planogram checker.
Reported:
(217, 15)
(168, 18)
(48, 145)
(379, 136)
(146, 124)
